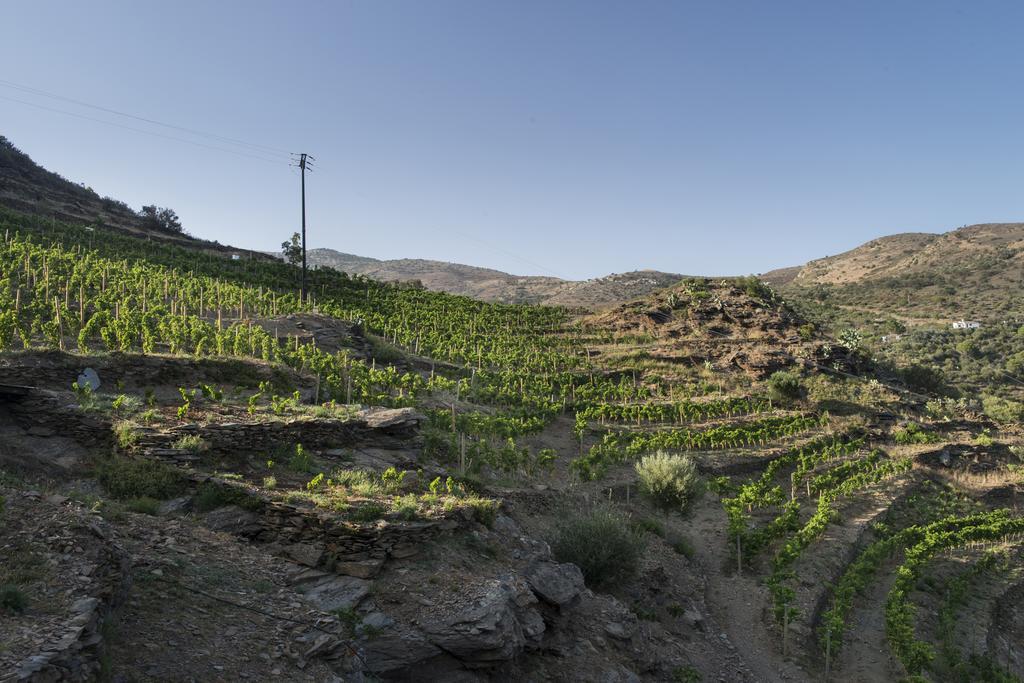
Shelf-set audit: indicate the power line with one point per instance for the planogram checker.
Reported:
(276, 162)
(507, 253)
(255, 146)
(342, 638)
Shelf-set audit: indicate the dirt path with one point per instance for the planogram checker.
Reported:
(737, 603)
(865, 653)
(823, 563)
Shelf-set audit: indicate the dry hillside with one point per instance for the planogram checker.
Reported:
(27, 187)
(974, 272)
(499, 287)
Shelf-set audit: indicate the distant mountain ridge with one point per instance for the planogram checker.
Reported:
(494, 285)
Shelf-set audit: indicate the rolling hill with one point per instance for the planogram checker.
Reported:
(975, 272)
(496, 286)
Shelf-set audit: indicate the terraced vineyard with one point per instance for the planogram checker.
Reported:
(389, 459)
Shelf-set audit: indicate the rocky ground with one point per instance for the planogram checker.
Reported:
(265, 582)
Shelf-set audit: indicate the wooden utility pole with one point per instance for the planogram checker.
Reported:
(304, 164)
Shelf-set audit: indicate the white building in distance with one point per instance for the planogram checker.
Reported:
(966, 324)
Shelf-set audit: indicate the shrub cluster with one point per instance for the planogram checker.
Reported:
(785, 387)
(126, 478)
(602, 543)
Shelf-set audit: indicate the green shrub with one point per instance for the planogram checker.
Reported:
(1002, 410)
(211, 393)
(684, 548)
(485, 510)
(144, 505)
(360, 482)
(785, 386)
(126, 434)
(210, 496)
(13, 599)
(602, 543)
(125, 478)
(925, 379)
(670, 481)
(755, 288)
(87, 399)
(406, 507)
(649, 526)
(124, 404)
(947, 408)
(913, 433)
(368, 513)
(392, 479)
(192, 443)
(300, 460)
(984, 438)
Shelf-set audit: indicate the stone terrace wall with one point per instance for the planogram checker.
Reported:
(44, 413)
(57, 370)
(388, 429)
(319, 539)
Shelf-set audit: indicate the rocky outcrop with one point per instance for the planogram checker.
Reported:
(395, 651)
(330, 592)
(94, 576)
(487, 625)
(495, 627)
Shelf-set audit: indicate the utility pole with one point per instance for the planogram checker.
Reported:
(305, 164)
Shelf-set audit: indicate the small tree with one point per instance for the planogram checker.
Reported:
(292, 249)
(157, 218)
(670, 481)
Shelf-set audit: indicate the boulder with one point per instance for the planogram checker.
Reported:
(396, 650)
(175, 506)
(308, 554)
(496, 627)
(393, 418)
(364, 569)
(555, 583)
(233, 519)
(329, 592)
(693, 618)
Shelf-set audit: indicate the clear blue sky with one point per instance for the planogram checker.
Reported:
(555, 137)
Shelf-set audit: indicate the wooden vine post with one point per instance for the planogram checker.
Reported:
(739, 556)
(60, 326)
(785, 630)
(828, 652)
